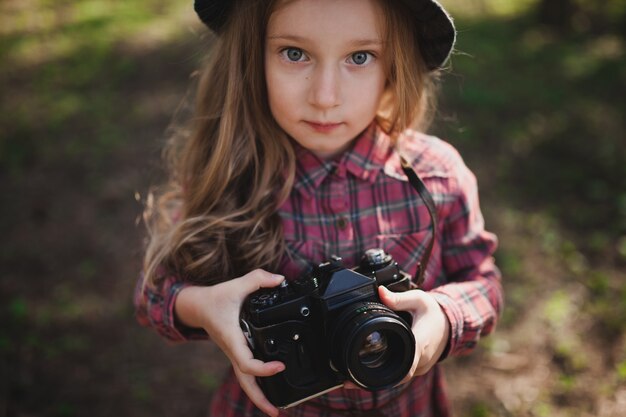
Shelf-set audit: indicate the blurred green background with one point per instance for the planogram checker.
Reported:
(534, 100)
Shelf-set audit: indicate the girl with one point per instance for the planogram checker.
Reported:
(294, 156)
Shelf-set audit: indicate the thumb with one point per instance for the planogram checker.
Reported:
(398, 301)
(261, 279)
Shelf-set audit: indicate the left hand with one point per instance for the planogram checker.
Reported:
(430, 326)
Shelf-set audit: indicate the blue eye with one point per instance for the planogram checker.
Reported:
(293, 54)
(360, 58)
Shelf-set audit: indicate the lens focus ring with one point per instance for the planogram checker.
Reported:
(369, 360)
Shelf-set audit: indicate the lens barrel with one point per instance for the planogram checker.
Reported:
(371, 345)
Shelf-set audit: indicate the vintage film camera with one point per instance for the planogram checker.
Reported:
(328, 327)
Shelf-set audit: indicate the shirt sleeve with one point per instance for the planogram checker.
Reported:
(472, 299)
(154, 307)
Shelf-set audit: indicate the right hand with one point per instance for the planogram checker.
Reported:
(216, 309)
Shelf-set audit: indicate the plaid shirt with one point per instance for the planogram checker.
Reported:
(362, 201)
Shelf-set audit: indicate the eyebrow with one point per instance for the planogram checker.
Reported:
(300, 39)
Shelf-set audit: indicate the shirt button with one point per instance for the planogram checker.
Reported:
(342, 223)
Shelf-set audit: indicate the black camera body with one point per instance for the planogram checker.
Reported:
(329, 327)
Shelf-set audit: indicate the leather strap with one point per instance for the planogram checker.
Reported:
(421, 189)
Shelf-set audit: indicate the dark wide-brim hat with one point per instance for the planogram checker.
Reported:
(436, 33)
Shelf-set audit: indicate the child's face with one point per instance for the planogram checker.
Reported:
(324, 70)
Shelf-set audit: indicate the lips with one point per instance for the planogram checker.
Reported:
(323, 127)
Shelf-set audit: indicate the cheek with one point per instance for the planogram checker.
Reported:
(274, 94)
(279, 104)
(371, 87)
(368, 99)
(284, 99)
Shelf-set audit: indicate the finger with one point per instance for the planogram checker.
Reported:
(412, 300)
(256, 367)
(241, 356)
(399, 301)
(350, 385)
(412, 372)
(421, 370)
(259, 278)
(388, 298)
(252, 389)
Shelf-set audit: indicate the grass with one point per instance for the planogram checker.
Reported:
(548, 109)
(537, 115)
(73, 79)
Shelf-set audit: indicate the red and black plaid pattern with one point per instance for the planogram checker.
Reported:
(362, 201)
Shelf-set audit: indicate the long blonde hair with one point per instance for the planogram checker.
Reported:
(218, 217)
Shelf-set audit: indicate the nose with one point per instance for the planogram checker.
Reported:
(325, 87)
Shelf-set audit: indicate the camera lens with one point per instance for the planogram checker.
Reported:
(371, 345)
(374, 350)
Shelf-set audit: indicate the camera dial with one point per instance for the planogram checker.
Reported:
(263, 300)
(376, 257)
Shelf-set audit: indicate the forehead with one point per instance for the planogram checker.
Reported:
(332, 18)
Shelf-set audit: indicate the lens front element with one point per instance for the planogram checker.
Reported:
(374, 350)
(371, 345)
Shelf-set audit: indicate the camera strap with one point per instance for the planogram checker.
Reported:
(421, 189)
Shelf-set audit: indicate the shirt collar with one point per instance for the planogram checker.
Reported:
(364, 160)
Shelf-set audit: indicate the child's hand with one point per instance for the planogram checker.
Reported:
(430, 326)
(216, 309)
